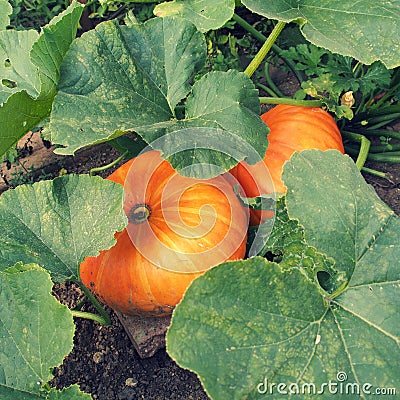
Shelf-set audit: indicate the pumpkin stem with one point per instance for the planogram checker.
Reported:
(139, 213)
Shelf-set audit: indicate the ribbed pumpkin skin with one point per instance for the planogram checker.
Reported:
(123, 278)
(292, 129)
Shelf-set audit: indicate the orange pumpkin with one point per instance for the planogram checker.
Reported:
(292, 129)
(178, 228)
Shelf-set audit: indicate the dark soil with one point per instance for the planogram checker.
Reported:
(104, 361)
(389, 192)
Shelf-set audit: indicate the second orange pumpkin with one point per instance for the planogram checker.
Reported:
(292, 129)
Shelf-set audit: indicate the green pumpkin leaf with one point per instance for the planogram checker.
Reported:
(53, 224)
(119, 78)
(286, 243)
(153, 63)
(5, 12)
(248, 322)
(29, 70)
(221, 128)
(366, 30)
(353, 225)
(274, 324)
(36, 331)
(205, 14)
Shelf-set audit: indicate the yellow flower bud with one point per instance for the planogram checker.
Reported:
(348, 99)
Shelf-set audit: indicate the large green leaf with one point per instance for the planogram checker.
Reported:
(57, 223)
(117, 78)
(367, 30)
(205, 14)
(222, 126)
(29, 70)
(36, 331)
(353, 226)
(286, 242)
(263, 323)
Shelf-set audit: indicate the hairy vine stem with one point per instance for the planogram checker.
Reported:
(364, 147)
(261, 38)
(265, 48)
(111, 164)
(290, 101)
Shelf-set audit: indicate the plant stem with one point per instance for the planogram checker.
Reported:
(266, 89)
(385, 157)
(265, 48)
(111, 164)
(249, 28)
(364, 147)
(380, 174)
(388, 94)
(374, 115)
(261, 38)
(290, 101)
(381, 120)
(379, 132)
(392, 157)
(384, 148)
(104, 318)
(117, 13)
(91, 316)
(270, 82)
(389, 153)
